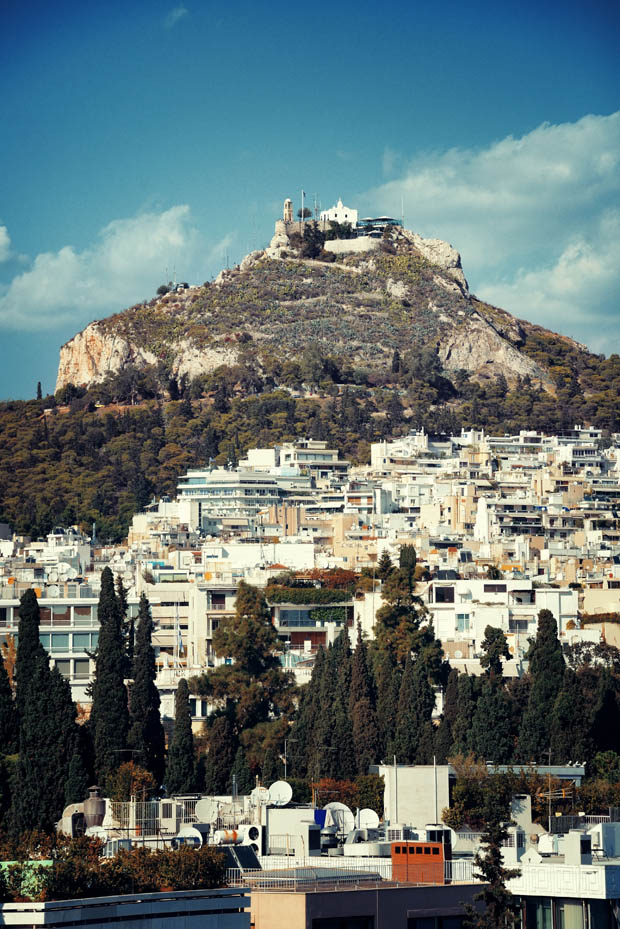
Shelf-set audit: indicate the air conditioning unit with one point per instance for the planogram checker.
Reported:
(397, 833)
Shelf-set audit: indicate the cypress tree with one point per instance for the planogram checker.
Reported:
(388, 676)
(146, 733)
(606, 722)
(181, 768)
(47, 741)
(424, 704)
(243, 775)
(344, 764)
(322, 761)
(272, 765)
(490, 736)
(29, 648)
(547, 672)
(342, 658)
(221, 756)
(304, 732)
(405, 742)
(461, 728)
(127, 626)
(9, 729)
(571, 736)
(365, 731)
(109, 713)
(442, 748)
(495, 647)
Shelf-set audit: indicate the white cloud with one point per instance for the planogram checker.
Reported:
(175, 14)
(5, 244)
(125, 265)
(535, 219)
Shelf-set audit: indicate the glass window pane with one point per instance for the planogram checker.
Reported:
(94, 640)
(64, 666)
(44, 638)
(60, 641)
(82, 668)
(81, 640)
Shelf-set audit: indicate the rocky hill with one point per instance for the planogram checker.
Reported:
(358, 301)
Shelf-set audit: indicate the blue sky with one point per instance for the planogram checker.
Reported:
(145, 136)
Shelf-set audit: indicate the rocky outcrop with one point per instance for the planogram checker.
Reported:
(441, 254)
(96, 352)
(481, 350)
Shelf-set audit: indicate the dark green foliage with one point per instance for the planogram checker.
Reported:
(366, 741)
(407, 561)
(29, 648)
(146, 733)
(9, 728)
(500, 907)
(490, 735)
(76, 785)
(47, 741)
(384, 565)
(388, 677)
(242, 773)
(405, 742)
(547, 671)
(304, 731)
(261, 687)
(571, 732)
(495, 647)
(109, 714)
(181, 767)
(127, 625)
(221, 755)
(466, 703)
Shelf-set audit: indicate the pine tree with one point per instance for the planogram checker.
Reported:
(547, 672)
(221, 755)
(9, 728)
(242, 773)
(109, 713)
(365, 731)
(384, 566)
(181, 768)
(146, 733)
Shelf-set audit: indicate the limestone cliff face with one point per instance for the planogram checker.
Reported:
(96, 352)
(358, 308)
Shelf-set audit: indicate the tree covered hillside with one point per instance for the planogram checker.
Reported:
(78, 463)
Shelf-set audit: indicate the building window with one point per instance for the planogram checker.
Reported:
(60, 642)
(81, 669)
(444, 594)
(64, 666)
(495, 588)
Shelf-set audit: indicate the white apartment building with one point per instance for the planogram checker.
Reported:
(462, 609)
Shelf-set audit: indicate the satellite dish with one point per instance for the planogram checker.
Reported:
(260, 795)
(367, 819)
(128, 576)
(63, 567)
(97, 832)
(52, 577)
(206, 810)
(341, 816)
(53, 590)
(72, 574)
(280, 793)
